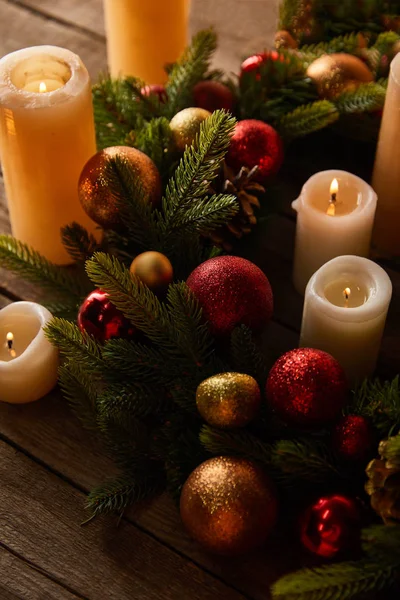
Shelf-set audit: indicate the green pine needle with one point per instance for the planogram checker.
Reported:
(307, 119)
(154, 138)
(246, 356)
(79, 243)
(303, 460)
(236, 443)
(380, 403)
(368, 97)
(80, 392)
(73, 345)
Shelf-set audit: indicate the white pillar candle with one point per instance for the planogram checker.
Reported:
(28, 362)
(335, 215)
(144, 35)
(46, 136)
(386, 177)
(345, 309)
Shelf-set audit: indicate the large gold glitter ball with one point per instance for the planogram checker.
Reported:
(185, 125)
(337, 73)
(229, 505)
(154, 269)
(228, 400)
(98, 197)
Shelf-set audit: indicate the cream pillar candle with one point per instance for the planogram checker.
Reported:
(386, 177)
(335, 215)
(46, 137)
(28, 362)
(144, 35)
(345, 309)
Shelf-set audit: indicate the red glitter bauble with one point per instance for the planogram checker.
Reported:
(307, 387)
(353, 438)
(331, 526)
(155, 89)
(253, 63)
(256, 143)
(212, 95)
(232, 291)
(99, 317)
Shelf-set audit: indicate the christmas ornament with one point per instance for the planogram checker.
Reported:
(256, 143)
(253, 64)
(248, 192)
(228, 400)
(213, 95)
(154, 269)
(307, 387)
(232, 291)
(353, 438)
(284, 39)
(101, 319)
(383, 483)
(96, 194)
(331, 526)
(185, 125)
(337, 73)
(154, 89)
(228, 505)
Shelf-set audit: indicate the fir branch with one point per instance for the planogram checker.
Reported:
(73, 345)
(380, 403)
(247, 357)
(127, 439)
(307, 119)
(154, 138)
(79, 243)
(132, 400)
(237, 443)
(348, 43)
(80, 392)
(381, 540)
(63, 310)
(303, 460)
(205, 215)
(368, 97)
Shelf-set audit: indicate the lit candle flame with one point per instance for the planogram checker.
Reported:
(346, 294)
(42, 87)
(333, 190)
(10, 339)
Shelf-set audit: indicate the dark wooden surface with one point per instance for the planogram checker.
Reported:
(48, 463)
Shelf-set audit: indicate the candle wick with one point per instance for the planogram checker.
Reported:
(9, 344)
(333, 197)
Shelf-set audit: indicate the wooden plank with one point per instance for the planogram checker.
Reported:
(93, 560)
(21, 580)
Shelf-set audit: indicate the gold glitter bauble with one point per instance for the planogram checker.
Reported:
(228, 505)
(95, 193)
(228, 400)
(154, 269)
(284, 39)
(337, 73)
(185, 125)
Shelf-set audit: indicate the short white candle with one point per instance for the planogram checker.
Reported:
(28, 362)
(332, 220)
(345, 310)
(46, 137)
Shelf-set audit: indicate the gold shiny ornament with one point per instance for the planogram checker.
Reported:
(185, 125)
(284, 39)
(337, 73)
(154, 269)
(96, 194)
(228, 505)
(228, 400)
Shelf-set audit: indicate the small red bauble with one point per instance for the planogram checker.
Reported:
(253, 63)
(212, 95)
(99, 317)
(232, 291)
(155, 89)
(256, 143)
(307, 387)
(331, 526)
(353, 438)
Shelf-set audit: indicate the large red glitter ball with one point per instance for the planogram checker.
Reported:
(232, 291)
(253, 63)
(256, 143)
(155, 89)
(353, 438)
(307, 387)
(212, 95)
(99, 317)
(331, 526)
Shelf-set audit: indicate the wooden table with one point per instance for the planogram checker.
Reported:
(48, 463)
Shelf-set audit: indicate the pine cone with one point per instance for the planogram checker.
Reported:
(384, 485)
(247, 191)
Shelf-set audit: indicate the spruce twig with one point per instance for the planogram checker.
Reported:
(73, 345)
(79, 243)
(80, 392)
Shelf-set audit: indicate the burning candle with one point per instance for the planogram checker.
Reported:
(28, 362)
(46, 137)
(335, 217)
(345, 308)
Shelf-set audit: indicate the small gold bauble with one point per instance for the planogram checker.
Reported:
(228, 400)
(228, 505)
(337, 73)
(284, 39)
(154, 269)
(185, 125)
(95, 193)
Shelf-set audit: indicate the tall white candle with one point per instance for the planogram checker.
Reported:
(345, 310)
(46, 137)
(28, 362)
(386, 177)
(332, 220)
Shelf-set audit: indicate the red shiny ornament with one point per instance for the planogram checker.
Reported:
(307, 387)
(101, 319)
(212, 95)
(256, 143)
(232, 291)
(331, 526)
(253, 63)
(154, 89)
(353, 438)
